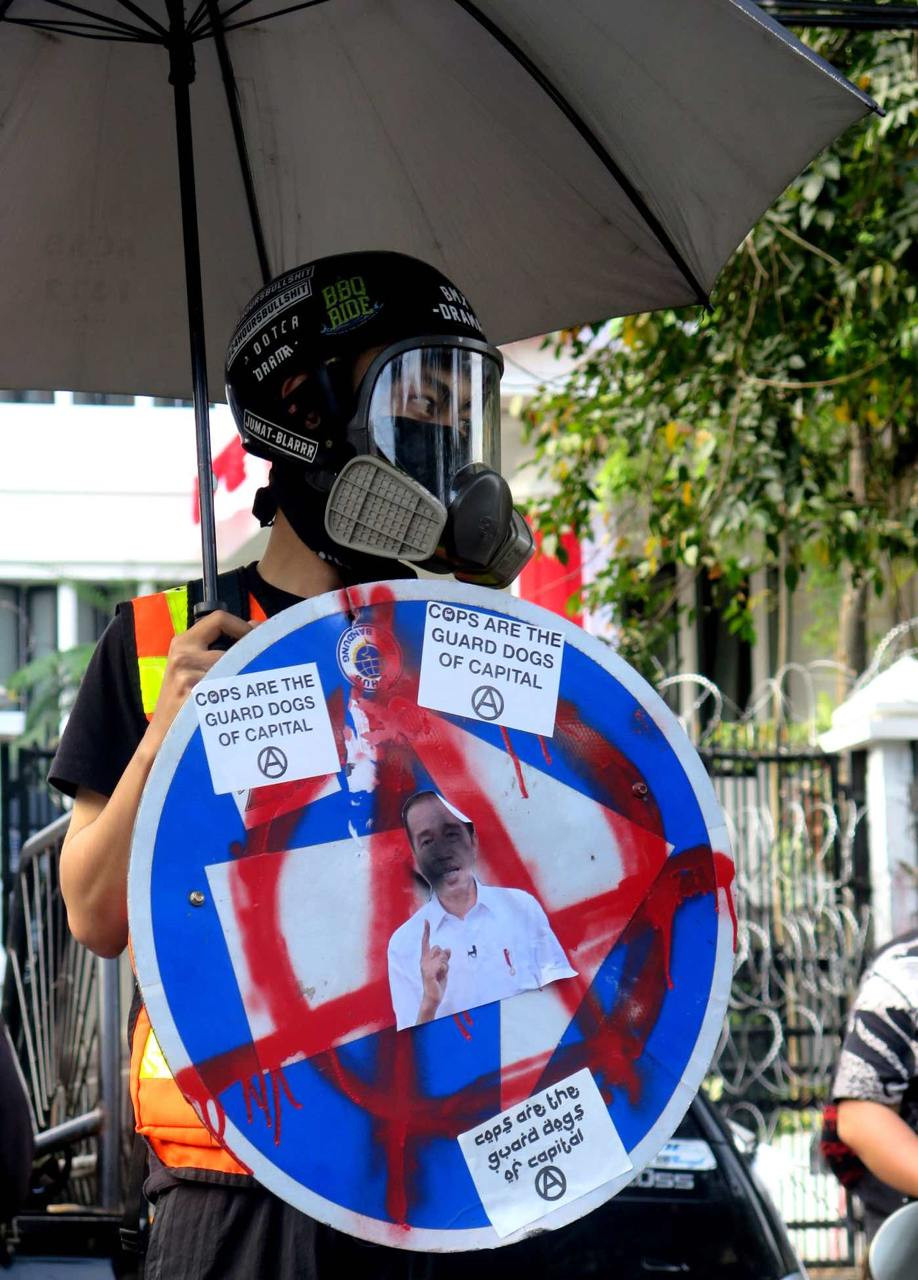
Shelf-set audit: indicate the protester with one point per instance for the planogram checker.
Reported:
(365, 355)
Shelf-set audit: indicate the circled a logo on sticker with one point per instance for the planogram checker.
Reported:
(369, 657)
(272, 762)
(550, 1183)
(487, 702)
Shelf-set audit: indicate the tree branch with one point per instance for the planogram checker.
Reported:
(788, 385)
(804, 244)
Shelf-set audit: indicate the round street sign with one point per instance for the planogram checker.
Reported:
(466, 942)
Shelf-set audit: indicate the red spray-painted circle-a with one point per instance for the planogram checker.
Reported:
(272, 999)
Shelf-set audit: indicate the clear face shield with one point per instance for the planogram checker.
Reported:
(425, 485)
(434, 411)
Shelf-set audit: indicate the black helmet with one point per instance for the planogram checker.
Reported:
(290, 361)
(353, 359)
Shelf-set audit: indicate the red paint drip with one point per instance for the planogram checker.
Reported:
(516, 762)
(197, 1089)
(253, 1090)
(545, 752)
(724, 873)
(463, 1029)
(275, 1098)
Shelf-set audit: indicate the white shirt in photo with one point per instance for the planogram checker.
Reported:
(503, 946)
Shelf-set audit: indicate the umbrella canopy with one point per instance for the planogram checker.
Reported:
(563, 162)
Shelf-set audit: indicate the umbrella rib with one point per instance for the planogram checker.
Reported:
(196, 16)
(590, 138)
(107, 23)
(264, 17)
(143, 16)
(91, 32)
(232, 102)
(202, 6)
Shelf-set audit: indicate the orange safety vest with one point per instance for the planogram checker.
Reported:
(161, 1113)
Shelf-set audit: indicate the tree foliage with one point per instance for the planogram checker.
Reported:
(777, 432)
(44, 684)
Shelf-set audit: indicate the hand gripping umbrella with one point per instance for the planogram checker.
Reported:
(565, 162)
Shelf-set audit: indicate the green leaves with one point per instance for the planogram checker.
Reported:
(42, 683)
(775, 433)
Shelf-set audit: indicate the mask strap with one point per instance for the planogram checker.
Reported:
(264, 506)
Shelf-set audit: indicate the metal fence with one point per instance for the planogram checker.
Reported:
(27, 805)
(804, 915)
(62, 1006)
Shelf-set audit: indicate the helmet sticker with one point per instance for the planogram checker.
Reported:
(347, 305)
(456, 308)
(283, 282)
(276, 302)
(369, 657)
(276, 438)
(273, 361)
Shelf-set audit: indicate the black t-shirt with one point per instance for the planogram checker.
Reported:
(107, 720)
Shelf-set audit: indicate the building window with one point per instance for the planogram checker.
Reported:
(12, 632)
(26, 397)
(42, 614)
(28, 626)
(97, 397)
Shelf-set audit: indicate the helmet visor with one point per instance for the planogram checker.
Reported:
(434, 410)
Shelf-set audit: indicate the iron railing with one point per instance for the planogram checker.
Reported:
(62, 1006)
(27, 805)
(803, 914)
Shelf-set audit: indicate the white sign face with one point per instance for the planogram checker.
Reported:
(499, 670)
(543, 1153)
(267, 727)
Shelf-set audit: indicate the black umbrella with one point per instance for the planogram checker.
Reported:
(564, 162)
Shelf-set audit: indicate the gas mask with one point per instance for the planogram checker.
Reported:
(424, 485)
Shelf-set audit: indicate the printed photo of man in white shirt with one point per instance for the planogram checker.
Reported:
(471, 943)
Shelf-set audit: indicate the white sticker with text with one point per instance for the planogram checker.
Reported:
(500, 670)
(541, 1154)
(265, 728)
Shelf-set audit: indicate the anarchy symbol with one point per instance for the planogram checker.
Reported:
(272, 762)
(550, 1183)
(487, 702)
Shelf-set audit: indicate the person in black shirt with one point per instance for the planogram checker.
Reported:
(349, 359)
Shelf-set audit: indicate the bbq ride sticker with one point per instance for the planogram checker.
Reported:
(570, 1001)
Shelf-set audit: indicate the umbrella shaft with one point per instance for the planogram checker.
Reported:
(181, 73)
